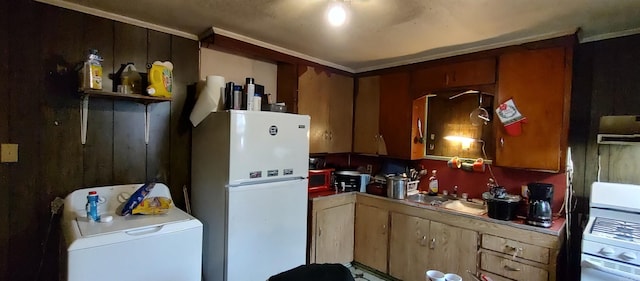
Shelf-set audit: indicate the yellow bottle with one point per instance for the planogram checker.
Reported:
(160, 79)
(91, 72)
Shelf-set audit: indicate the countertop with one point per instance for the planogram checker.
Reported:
(556, 228)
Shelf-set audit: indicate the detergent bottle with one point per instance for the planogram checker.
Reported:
(131, 80)
(160, 79)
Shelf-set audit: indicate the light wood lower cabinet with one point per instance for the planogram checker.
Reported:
(452, 249)
(371, 237)
(331, 229)
(334, 234)
(417, 245)
(510, 268)
(408, 247)
(517, 260)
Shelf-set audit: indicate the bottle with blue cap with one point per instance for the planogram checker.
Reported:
(92, 207)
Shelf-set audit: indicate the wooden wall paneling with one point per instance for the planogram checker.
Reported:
(158, 149)
(98, 161)
(60, 144)
(605, 85)
(25, 90)
(184, 55)
(129, 149)
(5, 230)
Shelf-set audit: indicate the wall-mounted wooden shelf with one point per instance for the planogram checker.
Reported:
(132, 97)
(84, 108)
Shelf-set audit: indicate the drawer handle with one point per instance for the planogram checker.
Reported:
(513, 249)
(511, 268)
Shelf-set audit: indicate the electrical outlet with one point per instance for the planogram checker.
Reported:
(8, 153)
(369, 168)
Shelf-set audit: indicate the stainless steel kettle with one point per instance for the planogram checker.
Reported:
(397, 187)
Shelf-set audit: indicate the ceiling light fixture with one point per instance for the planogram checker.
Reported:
(337, 13)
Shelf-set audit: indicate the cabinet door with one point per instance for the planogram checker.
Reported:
(371, 241)
(340, 113)
(313, 100)
(395, 114)
(334, 234)
(475, 72)
(408, 247)
(428, 79)
(453, 75)
(453, 249)
(365, 137)
(538, 81)
(419, 128)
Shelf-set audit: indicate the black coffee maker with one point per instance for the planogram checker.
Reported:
(540, 196)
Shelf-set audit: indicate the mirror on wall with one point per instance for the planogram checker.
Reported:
(459, 123)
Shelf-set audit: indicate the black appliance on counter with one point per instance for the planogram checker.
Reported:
(540, 196)
(347, 181)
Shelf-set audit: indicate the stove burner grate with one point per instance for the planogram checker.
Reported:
(616, 229)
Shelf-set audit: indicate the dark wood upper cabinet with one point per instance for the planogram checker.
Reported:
(453, 75)
(395, 114)
(539, 82)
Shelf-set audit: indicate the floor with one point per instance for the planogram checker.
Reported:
(363, 274)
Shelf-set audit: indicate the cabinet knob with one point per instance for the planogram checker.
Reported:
(433, 243)
(501, 142)
(423, 241)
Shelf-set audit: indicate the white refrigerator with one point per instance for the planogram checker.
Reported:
(249, 189)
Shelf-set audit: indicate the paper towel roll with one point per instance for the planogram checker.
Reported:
(209, 100)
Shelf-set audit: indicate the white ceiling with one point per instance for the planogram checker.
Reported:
(379, 33)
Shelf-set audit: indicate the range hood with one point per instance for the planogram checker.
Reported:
(621, 129)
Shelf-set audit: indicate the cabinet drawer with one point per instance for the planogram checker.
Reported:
(495, 277)
(509, 247)
(511, 269)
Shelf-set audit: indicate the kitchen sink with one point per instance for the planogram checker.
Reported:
(449, 202)
(429, 200)
(465, 207)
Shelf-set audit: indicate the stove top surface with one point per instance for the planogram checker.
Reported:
(616, 229)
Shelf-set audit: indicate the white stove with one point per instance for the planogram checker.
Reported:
(611, 239)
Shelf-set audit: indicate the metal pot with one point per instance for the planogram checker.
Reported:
(397, 187)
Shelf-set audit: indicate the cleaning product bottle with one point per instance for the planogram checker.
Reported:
(131, 80)
(160, 79)
(92, 207)
(91, 72)
(433, 184)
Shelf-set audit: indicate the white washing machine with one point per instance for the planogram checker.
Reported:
(136, 247)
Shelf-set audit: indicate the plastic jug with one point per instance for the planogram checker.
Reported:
(160, 79)
(131, 80)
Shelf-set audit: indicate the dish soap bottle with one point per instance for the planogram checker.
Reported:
(433, 184)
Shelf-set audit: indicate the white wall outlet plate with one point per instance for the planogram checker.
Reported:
(8, 153)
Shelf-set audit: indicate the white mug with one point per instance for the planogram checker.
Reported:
(434, 275)
(452, 277)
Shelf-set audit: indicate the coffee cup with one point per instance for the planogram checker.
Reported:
(434, 275)
(454, 163)
(452, 277)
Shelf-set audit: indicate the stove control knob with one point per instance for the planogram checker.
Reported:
(628, 256)
(607, 251)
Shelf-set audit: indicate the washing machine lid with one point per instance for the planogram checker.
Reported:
(129, 223)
